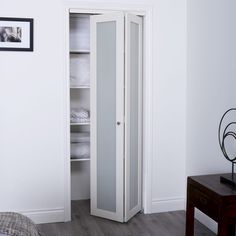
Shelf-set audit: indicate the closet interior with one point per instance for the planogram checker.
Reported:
(80, 105)
(106, 112)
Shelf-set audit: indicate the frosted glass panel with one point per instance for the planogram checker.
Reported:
(134, 113)
(106, 116)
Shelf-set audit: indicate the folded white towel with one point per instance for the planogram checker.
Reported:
(79, 120)
(79, 70)
(79, 115)
(82, 137)
(80, 150)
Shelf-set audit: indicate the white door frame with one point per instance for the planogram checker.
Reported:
(102, 8)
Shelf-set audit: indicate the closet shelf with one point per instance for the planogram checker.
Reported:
(80, 87)
(87, 123)
(82, 159)
(79, 52)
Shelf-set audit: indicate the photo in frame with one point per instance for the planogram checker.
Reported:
(16, 34)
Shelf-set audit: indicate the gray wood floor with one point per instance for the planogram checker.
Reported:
(82, 224)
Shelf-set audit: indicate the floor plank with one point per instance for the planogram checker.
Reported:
(83, 224)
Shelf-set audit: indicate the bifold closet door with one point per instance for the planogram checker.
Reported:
(107, 116)
(133, 115)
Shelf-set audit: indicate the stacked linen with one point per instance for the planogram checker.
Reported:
(79, 116)
(79, 70)
(80, 145)
(82, 137)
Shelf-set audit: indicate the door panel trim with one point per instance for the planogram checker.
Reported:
(119, 19)
(130, 18)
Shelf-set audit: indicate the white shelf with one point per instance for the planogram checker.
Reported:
(82, 159)
(79, 51)
(80, 87)
(73, 124)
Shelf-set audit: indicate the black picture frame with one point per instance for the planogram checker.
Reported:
(25, 27)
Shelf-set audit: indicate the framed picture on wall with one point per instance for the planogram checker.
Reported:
(16, 34)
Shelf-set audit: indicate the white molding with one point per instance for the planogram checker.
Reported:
(66, 125)
(147, 12)
(147, 109)
(45, 215)
(168, 204)
(105, 7)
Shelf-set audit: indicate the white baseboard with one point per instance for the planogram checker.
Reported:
(168, 204)
(175, 204)
(46, 215)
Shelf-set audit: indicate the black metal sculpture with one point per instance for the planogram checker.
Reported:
(227, 132)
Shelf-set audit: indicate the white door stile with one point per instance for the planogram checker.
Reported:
(129, 213)
(119, 19)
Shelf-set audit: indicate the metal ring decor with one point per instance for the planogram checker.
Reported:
(226, 133)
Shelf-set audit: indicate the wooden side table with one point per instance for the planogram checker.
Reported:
(213, 198)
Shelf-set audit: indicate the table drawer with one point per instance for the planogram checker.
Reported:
(204, 203)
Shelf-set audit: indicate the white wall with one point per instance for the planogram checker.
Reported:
(32, 110)
(211, 81)
(31, 120)
(169, 106)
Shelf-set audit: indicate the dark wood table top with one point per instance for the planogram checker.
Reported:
(213, 184)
